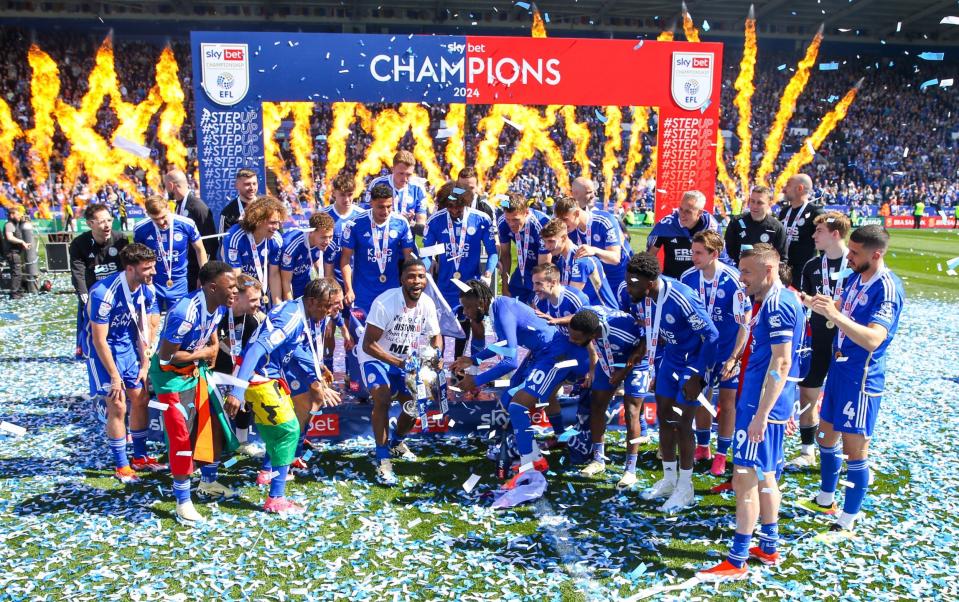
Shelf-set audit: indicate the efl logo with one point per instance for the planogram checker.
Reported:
(324, 425)
(701, 63)
(232, 54)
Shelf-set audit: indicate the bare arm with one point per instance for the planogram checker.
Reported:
(346, 255)
(276, 285)
(867, 336)
(201, 256)
(286, 284)
(102, 348)
(775, 380)
(372, 347)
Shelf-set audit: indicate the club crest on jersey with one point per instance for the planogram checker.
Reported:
(670, 319)
(764, 237)
(471, 230)
(112, 251)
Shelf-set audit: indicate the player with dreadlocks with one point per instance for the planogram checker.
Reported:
(552, 359)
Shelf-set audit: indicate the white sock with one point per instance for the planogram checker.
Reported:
(846, 521)
(807, 450)
(669, 470)
(686, 478)
(242, 435)
(825, 499)
(598, 455)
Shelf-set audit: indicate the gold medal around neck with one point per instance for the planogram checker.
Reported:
(456, 275)
(838, 355)
(169, 283)
(382, 277)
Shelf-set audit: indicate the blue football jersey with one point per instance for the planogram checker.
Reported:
(372, 275)
(332, 253)
(725, 303)
(516, 325)
(108, 304)
(621, 332)
(298, 257)
(880, 302)
(587, 271)
(190, 322)
(685, 331)
(528, 237)
(171, 265)
(409, 199)
(238, 251)
(603, 231)
(477, 236)
(571, 300)
(283, 335)
(781, 319)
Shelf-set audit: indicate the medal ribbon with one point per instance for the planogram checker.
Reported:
(652, 325)
(856, 294)
(379, 245)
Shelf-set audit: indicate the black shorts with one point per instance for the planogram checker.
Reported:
(819, 360)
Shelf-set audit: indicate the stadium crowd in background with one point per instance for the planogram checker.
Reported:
(885, 155)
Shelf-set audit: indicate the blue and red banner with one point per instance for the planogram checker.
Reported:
(238, 71)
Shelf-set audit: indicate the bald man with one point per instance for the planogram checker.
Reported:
(798, 217)
(584, 192)
(188, 204)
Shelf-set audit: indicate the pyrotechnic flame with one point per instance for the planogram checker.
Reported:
(613, 131)
(456, 141)
(735, 201)
(10, 132)
(90, 153)
(634, 155)
(487, 150)
(650, 171)
(389, 128)
(44, 90)
(578, 133)
(744, 103)
(539, 27)
(787, 106)
(301, 143)
(813, 142)
(692, 33)
(173, 115)
(534, 137)
(344, 114)
(273, 114)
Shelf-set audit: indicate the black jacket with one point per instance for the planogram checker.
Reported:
(192, 207)
(91, 262)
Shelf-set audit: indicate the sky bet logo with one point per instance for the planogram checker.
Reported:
(695, 63)
(454, 47)
(228, 54)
